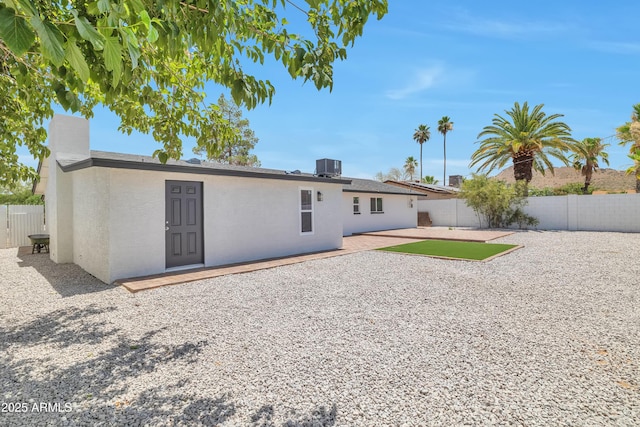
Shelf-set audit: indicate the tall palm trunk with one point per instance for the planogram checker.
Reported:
(420, 163)
(444, 176)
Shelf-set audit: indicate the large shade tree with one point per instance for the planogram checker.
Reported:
(445, 125)
(421, 135)
(586, 158)
(233, 140)
(148, 61)
(629, 134)
(527, 138)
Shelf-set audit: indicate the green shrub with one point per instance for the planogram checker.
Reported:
(497, 203)
(19, 195)
(571, 188)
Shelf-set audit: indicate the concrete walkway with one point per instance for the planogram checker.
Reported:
(350, 244)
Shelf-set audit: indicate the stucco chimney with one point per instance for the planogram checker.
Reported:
(69, 137)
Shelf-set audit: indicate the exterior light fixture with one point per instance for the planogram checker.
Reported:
(320, 197)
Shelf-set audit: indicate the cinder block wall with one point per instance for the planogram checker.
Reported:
(608, 212)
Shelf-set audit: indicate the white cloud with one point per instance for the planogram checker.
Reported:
(437, 75)
(423, 79)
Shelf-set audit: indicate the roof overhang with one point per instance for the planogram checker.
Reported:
(178, 168)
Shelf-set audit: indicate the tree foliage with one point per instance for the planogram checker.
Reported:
(19, 194)
(430, 179)
(527, 138)
(586, 156)
(495, 202)
(232, 140)
(421, 135)
(569, 188)
(394, 174)
(148, 62)
(629, 134)
(410, 166)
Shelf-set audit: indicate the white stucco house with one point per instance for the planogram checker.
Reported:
(122, 215)
(369, 205)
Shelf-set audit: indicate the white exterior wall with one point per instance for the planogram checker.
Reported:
(59, 214)
(249, 219)
(607, 212)
(68, 139)
(244, 219)
(91, 238)
(137, 222)
(400, 211)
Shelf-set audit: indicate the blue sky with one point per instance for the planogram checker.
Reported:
(426, 59)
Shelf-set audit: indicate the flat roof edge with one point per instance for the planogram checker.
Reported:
(124, 164)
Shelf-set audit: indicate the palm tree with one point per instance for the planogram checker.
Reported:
(635, 156)
(410, 166)
(421, 135)
(585, 158)
(445, 125)
(527, 140)
(630, 133)
(429, 180)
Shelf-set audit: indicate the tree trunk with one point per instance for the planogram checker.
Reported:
(523, 169)
(587, 182)
(638, 185)
(421, 163)
(444, 176)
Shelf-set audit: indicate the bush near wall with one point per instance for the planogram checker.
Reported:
(496, 203)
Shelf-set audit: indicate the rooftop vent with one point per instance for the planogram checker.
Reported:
(194, 161)
(328, 168)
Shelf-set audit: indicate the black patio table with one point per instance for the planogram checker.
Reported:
(39, 242)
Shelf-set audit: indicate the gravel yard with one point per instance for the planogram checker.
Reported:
(546, 335)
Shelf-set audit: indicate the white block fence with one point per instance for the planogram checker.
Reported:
(17, 222)
(607, 212)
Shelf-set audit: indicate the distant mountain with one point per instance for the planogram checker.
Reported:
(603, 179)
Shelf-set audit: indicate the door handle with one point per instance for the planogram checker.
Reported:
(166, 229)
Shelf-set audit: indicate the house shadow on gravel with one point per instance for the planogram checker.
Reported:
(66, 279)
(106, 382)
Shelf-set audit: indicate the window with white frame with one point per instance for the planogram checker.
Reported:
(306, 210)
(356, 205)
(376, 205)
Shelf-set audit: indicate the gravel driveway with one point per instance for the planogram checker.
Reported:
(547, 335)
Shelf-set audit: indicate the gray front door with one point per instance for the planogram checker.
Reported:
(184, 236)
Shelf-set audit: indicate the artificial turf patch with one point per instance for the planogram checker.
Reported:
(451, 249)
